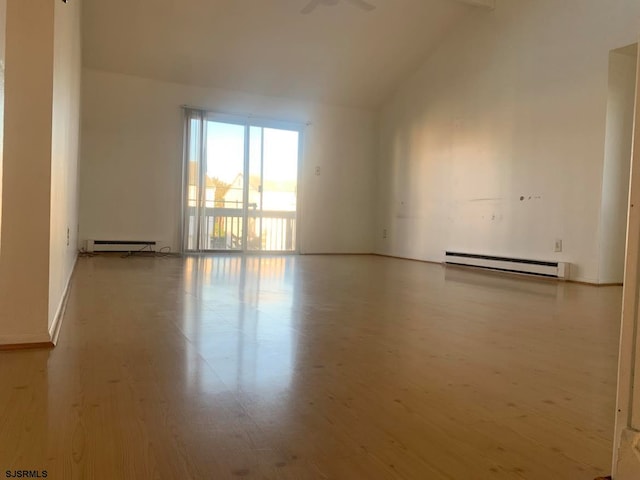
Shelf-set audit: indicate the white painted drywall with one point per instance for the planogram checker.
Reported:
(511, 105)
(338, 55)
(617, 164)
(3, 28)
(130, 173)
(24, 250)
(626, 463)
(64, 150)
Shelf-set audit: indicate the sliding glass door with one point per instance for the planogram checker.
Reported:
(241, 183)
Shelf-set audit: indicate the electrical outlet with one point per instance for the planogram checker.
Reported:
(317, 170)
(67, 236)
(384, 233)
(558, 246)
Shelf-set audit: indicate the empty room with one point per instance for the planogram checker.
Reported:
(319, 239)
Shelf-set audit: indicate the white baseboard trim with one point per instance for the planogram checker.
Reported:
(48, 338)
(24, 339)
(628, 464)
(54, 329)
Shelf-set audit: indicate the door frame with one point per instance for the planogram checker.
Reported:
(246, 121)
(626, 443)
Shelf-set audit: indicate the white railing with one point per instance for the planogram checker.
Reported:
(223, 229)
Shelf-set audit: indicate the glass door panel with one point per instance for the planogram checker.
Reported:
(273, 188)
(279, 189)
(241, 183)
(224, 186)
(254, 217)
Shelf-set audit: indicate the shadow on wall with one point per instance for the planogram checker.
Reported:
(617, 164)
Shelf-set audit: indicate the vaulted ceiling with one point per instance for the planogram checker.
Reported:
(338, 54)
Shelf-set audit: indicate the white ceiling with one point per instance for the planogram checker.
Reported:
(337, 54)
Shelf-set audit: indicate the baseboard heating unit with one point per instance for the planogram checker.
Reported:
(121, 246)
(512, 265)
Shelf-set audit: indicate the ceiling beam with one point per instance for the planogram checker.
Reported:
(488, 4)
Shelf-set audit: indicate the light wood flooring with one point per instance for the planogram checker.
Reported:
(315, 367)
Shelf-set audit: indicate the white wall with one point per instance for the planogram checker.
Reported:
(626, 463)
(3, 28)
(24, 248)
(39, 168)
(64, 150)
(617, 164)
(131, 150)
(512, 104)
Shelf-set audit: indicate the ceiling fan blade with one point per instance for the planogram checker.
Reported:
(311, 6)
(363, 5)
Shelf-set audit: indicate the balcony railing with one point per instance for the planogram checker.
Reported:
(223, 229)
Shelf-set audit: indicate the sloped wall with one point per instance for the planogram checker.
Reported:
(496, 144)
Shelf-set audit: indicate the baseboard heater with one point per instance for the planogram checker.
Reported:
(121, 246)
(512, 265)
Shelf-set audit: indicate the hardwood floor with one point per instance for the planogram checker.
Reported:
(340, 367)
